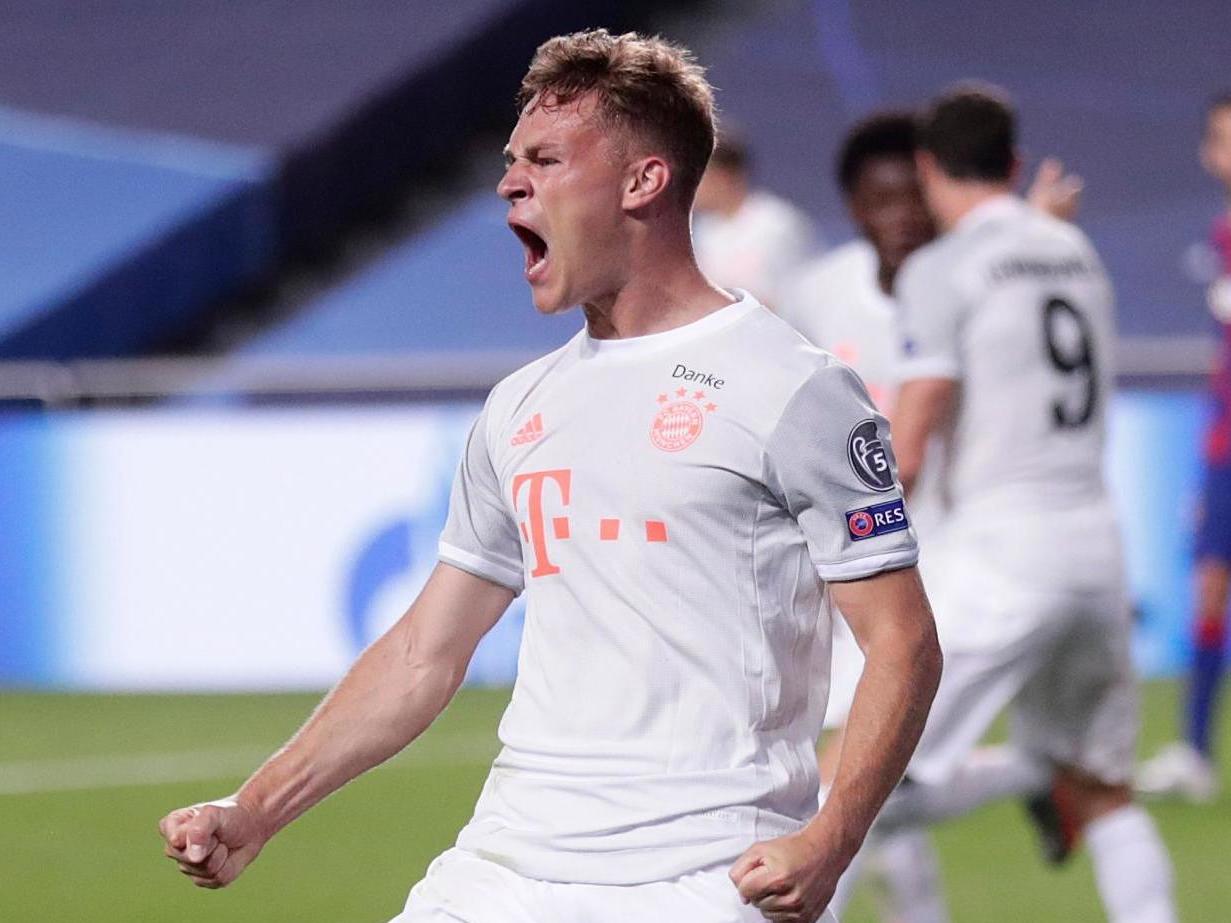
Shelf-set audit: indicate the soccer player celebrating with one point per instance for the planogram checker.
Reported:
(679, 491)
(1187, 768)
(1008, 333)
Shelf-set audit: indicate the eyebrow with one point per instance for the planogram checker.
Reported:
(533, 152)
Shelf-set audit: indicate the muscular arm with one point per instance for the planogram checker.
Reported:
(793, 878)
(892, 623)
(924, 407)
(391, 694)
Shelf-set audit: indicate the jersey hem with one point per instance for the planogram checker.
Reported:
(481, 567)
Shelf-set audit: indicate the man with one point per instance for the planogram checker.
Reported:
(747, 237)
(843, 303)
(1187, 768)
(1008, 334)
(678, 490)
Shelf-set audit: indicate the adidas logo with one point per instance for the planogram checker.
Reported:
(530, 431)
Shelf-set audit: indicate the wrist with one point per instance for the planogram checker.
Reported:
(826, 835)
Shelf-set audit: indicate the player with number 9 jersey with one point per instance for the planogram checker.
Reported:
(1017, 306)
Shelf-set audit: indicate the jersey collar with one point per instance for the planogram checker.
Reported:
(998, 206)
(653, 342)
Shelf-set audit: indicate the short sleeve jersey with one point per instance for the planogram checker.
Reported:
(836, 302)
(1016, 306)
(672, 505)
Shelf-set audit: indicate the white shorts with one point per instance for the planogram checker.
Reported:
(1056, 653)
(461, 887)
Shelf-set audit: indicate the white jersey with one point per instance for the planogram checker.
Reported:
(1014, 305)
(672, 505)
(837, 303)
(758, 247)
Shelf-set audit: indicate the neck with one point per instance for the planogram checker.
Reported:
(960, 198)
(885, 274)
(662, 289)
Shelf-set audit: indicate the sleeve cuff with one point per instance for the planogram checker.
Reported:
(927, 367)
(868, 566)
(495, 571)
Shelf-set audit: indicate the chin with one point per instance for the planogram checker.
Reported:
(545, 303)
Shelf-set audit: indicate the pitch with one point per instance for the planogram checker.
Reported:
(83, 780)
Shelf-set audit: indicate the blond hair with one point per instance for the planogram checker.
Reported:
(646, 87)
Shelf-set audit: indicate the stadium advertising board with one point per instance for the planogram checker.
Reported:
(262, 549)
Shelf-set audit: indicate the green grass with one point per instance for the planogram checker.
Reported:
(95, 855)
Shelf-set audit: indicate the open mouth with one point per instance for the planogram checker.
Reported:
(535, 247)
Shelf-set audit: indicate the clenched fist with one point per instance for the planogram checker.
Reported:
(213, 842)
(789, 879)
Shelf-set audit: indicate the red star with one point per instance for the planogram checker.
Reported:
(711, 407)
(662, 398)
(681, 392)
(698, 395)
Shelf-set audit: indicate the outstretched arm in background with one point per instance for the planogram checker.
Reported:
(391, 694)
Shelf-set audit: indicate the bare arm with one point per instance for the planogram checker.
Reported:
(924, 407)
(793, 878)
(391, 694)
(892, 623)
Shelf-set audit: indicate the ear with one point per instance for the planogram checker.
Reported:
(645, 182)
(926, 165)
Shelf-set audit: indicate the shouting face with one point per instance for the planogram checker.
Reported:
(563, 180)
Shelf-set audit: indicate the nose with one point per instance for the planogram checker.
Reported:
(513, 186)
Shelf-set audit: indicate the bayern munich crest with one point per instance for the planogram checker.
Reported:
(679, 421)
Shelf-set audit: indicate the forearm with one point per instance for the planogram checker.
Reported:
(386, 700)
(886, 718)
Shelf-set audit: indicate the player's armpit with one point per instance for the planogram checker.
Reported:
(924, 407)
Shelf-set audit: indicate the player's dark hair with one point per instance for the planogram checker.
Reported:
(972, 132)
(646, 86)
(880, 135)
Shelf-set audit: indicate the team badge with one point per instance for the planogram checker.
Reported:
(881, 519)
(680, 419)
(868, 457)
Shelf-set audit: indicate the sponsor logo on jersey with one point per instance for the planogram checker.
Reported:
(868, 457)
(530, 431)
(881, 519)
(709, 379)
(680, 419)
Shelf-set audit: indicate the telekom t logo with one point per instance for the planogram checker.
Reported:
(534, 531)
(563, 479)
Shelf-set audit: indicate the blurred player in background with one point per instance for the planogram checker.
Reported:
(678, 490)
(747, 237)
(843, 302)
(1008, 330)
(1187, 768)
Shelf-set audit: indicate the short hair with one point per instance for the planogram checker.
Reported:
(643, 85)
(972, 132)
(882, 134)
(731, 150)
